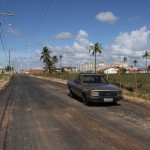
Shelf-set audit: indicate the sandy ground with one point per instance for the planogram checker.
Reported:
(4, 83)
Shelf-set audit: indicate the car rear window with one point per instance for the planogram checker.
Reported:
(94, 79)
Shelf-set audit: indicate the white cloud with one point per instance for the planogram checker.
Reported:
(14, 32)
(132, 45)
(82, 44)
(82, 35)
(133, 19)
(38, 53)
(107, 17)
(77, 53)
(63, 35)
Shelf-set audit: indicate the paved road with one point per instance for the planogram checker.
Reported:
(41, 116)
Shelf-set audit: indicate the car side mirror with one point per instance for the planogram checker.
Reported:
(77, 81)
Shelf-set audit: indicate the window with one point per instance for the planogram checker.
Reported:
(94, 79)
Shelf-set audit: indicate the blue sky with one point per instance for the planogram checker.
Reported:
(70, 27)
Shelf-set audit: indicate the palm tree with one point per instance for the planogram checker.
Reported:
(49, 61)
(135, 77)
(146, 54)
(135, 62)
(96, 48)
(148, 68)
(124, 59)
(60, 59)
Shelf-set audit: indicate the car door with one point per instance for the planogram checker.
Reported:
(79, 87)
(75, 86)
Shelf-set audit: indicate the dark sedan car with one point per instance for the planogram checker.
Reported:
(94, 88)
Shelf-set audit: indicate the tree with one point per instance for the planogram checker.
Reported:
(60, 59)
(135, 77)
(123, 70)
(9, 68)
(96, 48)
(48, 60)
(124, 59)
(135, 62)
(145, 55)
(148, 68)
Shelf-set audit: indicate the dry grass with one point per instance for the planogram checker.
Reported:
(134, 97)
(4, 82)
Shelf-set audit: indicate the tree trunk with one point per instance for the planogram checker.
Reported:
(135, 80)
(119, 77)
(49, 70)
(146, 66)
(95, 62)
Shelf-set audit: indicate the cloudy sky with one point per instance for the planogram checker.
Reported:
(70, 27)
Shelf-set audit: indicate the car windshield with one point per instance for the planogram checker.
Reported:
(94, 79)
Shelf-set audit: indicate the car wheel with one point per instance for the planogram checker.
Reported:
(85, 100)
(71, 94)
(114, 103)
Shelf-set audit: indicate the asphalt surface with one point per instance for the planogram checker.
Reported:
(38, 114)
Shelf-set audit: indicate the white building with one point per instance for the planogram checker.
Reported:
(109, 70)
(90, 67)
(70, 68)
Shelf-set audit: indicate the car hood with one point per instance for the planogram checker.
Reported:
(102, 87)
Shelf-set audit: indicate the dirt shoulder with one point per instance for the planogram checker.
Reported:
(4, 82)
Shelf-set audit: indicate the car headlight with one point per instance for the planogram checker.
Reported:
(94, 93)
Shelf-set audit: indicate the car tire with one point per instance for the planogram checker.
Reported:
(71, 94)
(114, 103)
(85, 100)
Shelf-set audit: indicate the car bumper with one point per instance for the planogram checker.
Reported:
(105, 99)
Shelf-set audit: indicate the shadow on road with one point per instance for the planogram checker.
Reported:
(94, 104)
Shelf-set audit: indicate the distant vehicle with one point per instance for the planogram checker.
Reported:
(94, 88)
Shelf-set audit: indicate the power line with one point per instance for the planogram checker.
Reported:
(3, 35)
(3, 48)
(43, 9)
(4, 14)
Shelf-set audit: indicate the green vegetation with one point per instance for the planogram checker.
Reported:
(48, 60)
(4, 76)
(9, 68)
(140, 87)
(128, 82)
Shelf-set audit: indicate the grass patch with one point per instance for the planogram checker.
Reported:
(4, 77)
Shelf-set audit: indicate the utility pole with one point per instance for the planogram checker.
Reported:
(7, 14)
(9, 64)
(28, 58)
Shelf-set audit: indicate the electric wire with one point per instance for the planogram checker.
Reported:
(3, 42)
(3, 36)
(8, 7)
(43, 9)
(3, 48)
